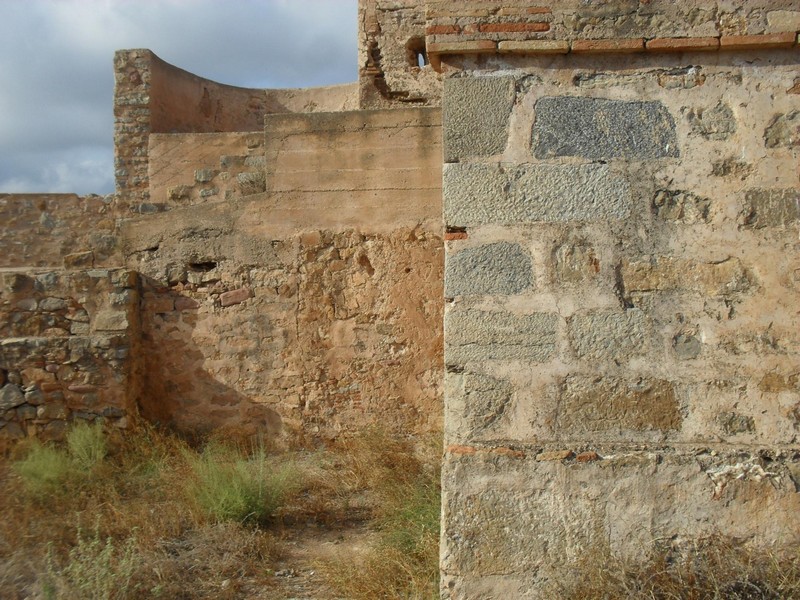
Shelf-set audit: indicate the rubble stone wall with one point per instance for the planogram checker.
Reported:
(621, 329)
(69, 350)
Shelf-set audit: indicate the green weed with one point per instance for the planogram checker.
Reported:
(87, 444)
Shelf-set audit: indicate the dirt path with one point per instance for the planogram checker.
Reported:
(296, 574)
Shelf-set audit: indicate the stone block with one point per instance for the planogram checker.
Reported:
(110, 320)
(500, 268)
(610, 404)
(575, 262)
(234, 297)
(681, 206)
(608, 46)
(665, 273)
(717, 123)
(475, 113)
(476, 402)
(533, 47)
(11, 396)
(602, 335)
(783, 131)
(479, 194)
(596, 128)
(770, 208)
(475, 336)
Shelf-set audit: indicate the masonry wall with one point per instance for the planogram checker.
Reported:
(312, 309)
(621, 326)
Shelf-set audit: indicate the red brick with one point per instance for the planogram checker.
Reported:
(587, 456)
(539, 10)
(234, 297)
(608, 46)
(185, 303)
(555, 455)
(442, 29)
(514, 27)
(455, 235)
(682, 44)
(747, 42)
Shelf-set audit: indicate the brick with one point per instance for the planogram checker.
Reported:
(532, 10)
(442, 29)
(234, 297)
(513, 27)
(589, 456)
(469, 47)
(755, 42)
(534, 47)
(618, 46)
(479, 194)
(455, 235)
(682, 44)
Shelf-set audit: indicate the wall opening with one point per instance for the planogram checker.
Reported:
(415, 52)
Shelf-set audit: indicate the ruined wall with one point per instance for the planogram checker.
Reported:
(394, 69)
(152, 97)
(621, 332)
(69, 349)
(311, 309)
(51, 230)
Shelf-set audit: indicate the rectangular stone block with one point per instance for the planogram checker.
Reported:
(770, 208)
(608, 46)
(612, 404)
(475, 336)
(475, 115)
(533, 47)
(609, 336)
(597, 128)
(666, 273)
(478, 194)
(500, 268)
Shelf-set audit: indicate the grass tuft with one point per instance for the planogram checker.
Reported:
(43, 469)
(87, 444)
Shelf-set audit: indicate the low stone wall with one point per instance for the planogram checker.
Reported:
(53, 230)
(69, 349)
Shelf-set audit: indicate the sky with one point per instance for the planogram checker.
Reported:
(57, 79)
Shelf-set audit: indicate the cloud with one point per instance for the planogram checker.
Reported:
(56, 76)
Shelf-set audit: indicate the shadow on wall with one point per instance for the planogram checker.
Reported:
(179, 390)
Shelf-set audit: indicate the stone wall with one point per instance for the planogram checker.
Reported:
(621, 282)
(69, 349)
(393, 63)
(314, 308)
(51, 230)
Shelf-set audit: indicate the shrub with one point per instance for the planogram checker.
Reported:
(43, 469)
(230, 486)
(94, 569)
(87, 444)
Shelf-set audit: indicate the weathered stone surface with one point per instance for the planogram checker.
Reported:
(682, 206)
(783, 131)
(485, 400)
(476, 194)
(770, 208)
(475, 113)
(500, 268)
(596, 128)
(734, 423)
(598, 404)
(11, 397)
(615, 336)
(234, 297)
(476, 335)
(687, 346)
(717, 123)
(111, 320)
(665, 273)
(575, 262)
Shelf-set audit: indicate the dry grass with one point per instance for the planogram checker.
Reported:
(147, 515)
(713, 568)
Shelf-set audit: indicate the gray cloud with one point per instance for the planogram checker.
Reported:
(56, 77)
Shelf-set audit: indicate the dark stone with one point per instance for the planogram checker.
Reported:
(596, 128)
(716, 123)
(770, 208)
